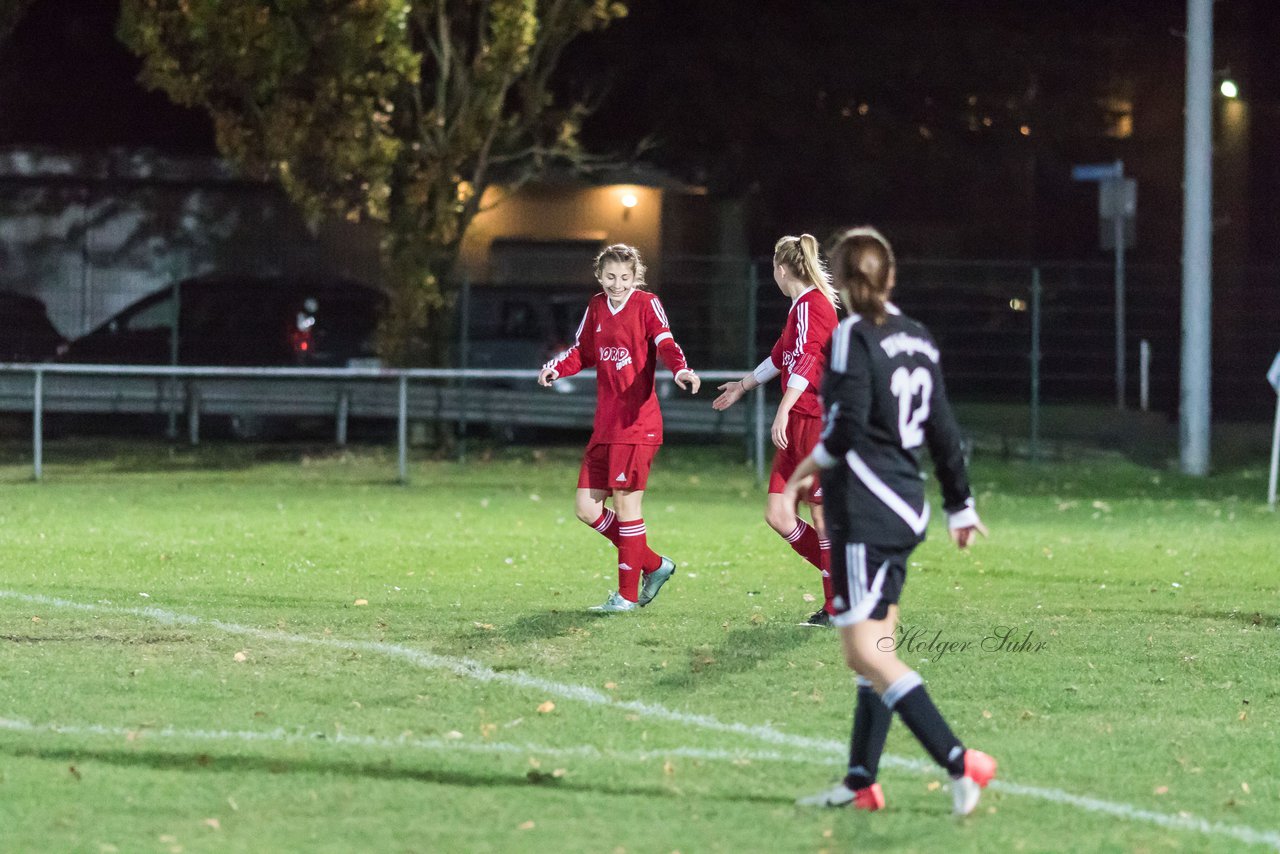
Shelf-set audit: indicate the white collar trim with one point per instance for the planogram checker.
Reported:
(608, 302)
(802, 293)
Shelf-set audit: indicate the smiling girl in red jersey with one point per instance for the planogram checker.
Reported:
(799, 357)
(622, 335)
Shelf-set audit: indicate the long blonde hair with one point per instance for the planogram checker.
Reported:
(862, 265)
(800, 256)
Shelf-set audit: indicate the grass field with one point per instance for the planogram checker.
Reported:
(239, 649)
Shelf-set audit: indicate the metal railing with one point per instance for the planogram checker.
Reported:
(432, 394)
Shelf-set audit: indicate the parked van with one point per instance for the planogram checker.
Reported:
(522, 327)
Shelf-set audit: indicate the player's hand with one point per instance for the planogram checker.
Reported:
(779, 430)
(546, 377)
(691, 378)
(963, 537)
(730, 393)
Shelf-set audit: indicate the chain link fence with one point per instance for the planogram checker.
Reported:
(88, 250)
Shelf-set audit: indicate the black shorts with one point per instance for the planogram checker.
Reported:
(866, 580)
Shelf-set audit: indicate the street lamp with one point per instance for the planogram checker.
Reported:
(1229, 89)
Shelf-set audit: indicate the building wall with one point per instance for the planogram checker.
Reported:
(91, 234)
(553, 213)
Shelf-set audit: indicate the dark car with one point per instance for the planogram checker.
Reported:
(26, 334)
(241, 321)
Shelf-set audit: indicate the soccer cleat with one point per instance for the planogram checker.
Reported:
(615, 604)
(979, 769)
(818, 619)
(653, 581)
(869, 798)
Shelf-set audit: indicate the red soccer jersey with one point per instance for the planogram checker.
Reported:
(623, 345)
(801, 352)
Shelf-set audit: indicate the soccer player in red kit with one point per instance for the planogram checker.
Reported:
(622, 335)
(799, 357)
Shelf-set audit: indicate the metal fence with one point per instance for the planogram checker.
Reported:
(728, 311)
(997, 348)
(463, 397)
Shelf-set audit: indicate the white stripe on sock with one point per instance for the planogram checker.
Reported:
(903, 685)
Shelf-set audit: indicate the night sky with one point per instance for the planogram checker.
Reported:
(953, 123)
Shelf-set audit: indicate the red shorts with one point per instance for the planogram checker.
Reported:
(803, 433)
(615, 466)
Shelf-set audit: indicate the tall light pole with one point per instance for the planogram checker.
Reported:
(1197, 242)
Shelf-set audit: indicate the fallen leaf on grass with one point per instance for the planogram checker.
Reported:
(1244, 787)
(361, 602)
(36, 620)
(808, 597)
(528, 825)
(610, 686)
(546, 708)
(669, 768)
(488, 627)
(74, 772)
(213, 824)
(934, 786)
(1162, 790)
(241, 656)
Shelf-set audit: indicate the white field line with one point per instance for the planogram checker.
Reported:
(141, 735)
(471, 669)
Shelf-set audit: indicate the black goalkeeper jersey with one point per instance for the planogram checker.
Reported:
(884, 403)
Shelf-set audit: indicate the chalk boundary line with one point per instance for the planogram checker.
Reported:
(472, 669)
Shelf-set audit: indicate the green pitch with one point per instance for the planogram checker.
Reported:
(246, 650)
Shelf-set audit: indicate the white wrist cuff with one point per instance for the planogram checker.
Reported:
(765, 371)
(966, 518)
(797, 381)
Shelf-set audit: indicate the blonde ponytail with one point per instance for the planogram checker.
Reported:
(800, 255)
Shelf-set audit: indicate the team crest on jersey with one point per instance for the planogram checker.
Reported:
(620, 356)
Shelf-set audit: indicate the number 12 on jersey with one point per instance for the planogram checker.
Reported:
(906, 385)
